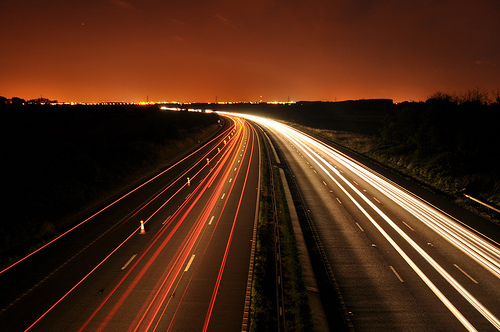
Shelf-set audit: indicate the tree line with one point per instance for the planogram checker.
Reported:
(20, 101)
(449, 139)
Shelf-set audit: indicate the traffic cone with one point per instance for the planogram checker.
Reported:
(143, 231)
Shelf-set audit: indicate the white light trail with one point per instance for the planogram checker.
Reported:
(485, 252)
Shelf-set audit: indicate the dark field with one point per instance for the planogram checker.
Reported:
(62, 161)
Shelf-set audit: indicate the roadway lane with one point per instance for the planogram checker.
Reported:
(105, 275)
(400, 263)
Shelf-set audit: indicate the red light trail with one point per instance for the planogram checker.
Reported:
(166, 259)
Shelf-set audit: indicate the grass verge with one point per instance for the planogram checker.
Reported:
(295, 302)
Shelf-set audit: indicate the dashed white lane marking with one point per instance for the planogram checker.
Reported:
(211, 219)
(361, 228)
(128, 262)
(189, 263)
(396, 273)
(164, 221)
(376, 200)
(223, 195)
(409, 226)
(458, 267)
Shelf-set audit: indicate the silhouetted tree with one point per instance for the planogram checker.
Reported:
(17, 101)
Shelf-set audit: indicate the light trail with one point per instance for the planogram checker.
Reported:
(148, 314)
(220, 137)
(201, 221)
(116, 201)
(209, 241)
(143, 271)
(482, 250)
(393, 243)
(221, 271)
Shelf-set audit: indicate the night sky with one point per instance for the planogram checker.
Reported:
(195, 50)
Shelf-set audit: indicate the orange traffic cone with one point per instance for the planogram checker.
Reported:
(143, 231)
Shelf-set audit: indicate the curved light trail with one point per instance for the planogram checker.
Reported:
(225, 133)
(154, 306)
(483, 250)
(167, 264)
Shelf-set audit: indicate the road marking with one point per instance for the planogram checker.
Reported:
(338, 200)
(396, 273)
(163, 223)
(376, 200)
(189, 263)
(211, 219)
(231, 180)
(128, 262)
(361, 228)
(223, 195)
(458, 267)
(355, 183)
(409, 226)
(235, 169)
(324, 183)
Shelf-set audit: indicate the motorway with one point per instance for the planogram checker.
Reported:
(400, 263)
(187, 269)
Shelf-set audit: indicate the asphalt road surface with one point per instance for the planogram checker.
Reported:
(401, 263)
(187, 270)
